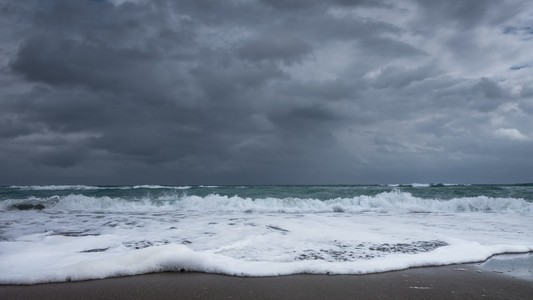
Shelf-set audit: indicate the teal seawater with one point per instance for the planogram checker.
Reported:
(320, 192)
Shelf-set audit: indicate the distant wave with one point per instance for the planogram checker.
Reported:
(420, 185)
(394, 201)
(93, 187)
(160, 187)
(448, 184)
(56, 187)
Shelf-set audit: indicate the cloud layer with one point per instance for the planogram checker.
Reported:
(248, 91)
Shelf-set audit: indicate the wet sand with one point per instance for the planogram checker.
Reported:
(494, 279)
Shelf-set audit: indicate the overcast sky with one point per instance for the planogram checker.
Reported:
(265, 91)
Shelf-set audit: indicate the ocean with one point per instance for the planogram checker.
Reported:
(62, 233)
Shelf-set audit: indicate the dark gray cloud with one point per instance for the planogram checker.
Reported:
(275, 46)
(265, 91)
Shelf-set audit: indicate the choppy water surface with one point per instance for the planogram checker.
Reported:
(60, 233)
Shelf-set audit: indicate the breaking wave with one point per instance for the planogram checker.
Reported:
(394, 201)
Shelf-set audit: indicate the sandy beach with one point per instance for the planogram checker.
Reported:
(494, 279)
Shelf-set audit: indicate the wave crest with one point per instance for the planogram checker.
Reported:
(395, 201)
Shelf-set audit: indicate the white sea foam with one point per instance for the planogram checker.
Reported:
(179, 257)
(86, 247)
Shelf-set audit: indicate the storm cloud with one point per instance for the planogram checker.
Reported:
(265, 91)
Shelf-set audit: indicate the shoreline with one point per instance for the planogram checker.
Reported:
(501, 277)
